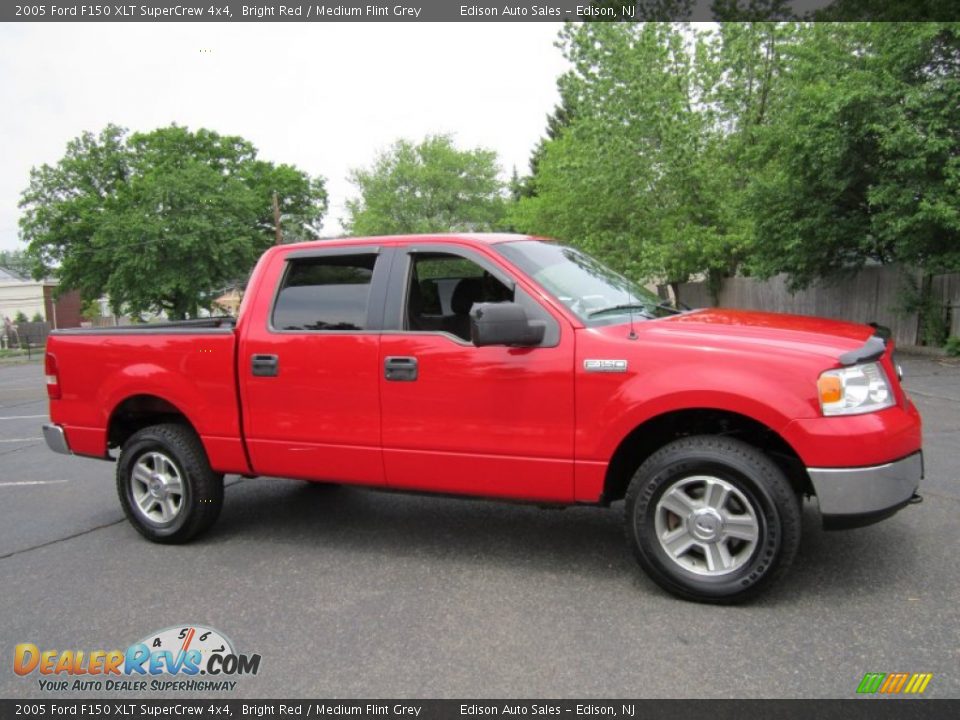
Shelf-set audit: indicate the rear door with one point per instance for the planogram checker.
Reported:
(495, 421)
(309, 365)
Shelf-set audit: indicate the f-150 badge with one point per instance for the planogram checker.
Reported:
(617, 366)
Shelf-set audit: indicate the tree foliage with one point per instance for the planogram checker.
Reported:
(863, 163)
(557, 122)
(648, 169)
(755, 147)
(430, 186)
(161, 220)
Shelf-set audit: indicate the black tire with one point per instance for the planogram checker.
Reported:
(201, 489)
(753, 499)
(322, 485)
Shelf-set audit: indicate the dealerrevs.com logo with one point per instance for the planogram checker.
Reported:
(179, 658)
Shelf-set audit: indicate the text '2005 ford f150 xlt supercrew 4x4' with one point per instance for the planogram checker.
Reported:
(501, 366)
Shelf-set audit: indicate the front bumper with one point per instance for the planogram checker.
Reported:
(56, 439)
(854, 497)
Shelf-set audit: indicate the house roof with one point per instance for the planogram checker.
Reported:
(9, 276)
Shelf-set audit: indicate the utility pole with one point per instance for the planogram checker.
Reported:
(276, 218)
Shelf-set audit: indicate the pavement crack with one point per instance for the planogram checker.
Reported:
(21, 404)
(20, 449)
(62, 539)
(8, 555)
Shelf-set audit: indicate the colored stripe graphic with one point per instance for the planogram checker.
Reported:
(918, 683)
(894, 683)
(871, 682)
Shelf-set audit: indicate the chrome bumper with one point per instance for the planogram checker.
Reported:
(853, 497)
(56, 439)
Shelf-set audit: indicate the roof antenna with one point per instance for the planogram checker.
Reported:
(631, 302)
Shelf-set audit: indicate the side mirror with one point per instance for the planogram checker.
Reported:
(504, 323)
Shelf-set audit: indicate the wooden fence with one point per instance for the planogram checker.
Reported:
(875, 294)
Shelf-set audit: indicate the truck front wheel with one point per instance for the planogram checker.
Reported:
(167, 489)
(712, 519)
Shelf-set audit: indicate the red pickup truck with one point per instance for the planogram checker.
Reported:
(501, 366)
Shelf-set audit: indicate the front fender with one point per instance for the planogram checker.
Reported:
(611, 406)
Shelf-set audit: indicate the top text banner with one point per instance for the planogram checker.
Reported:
(479, 10)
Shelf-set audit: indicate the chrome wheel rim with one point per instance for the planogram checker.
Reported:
(706, 525)
(156, 488)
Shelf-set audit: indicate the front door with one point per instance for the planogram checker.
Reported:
(493, 421)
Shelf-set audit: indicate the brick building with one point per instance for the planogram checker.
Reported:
(32, 297)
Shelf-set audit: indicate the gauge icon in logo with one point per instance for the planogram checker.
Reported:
(181, 639)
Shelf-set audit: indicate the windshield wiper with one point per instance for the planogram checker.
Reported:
(639, 306)
(671, 308)
(626, 306)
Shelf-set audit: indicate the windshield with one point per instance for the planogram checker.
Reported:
(594, 292)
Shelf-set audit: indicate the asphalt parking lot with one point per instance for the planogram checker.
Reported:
(354, 593)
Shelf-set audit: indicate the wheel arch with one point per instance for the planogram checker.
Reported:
(655, 432)
(139, 411)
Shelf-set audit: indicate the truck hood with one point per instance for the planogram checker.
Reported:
(759, 331)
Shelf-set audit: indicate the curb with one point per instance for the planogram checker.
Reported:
(19, 360)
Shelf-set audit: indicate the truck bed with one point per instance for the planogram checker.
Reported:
(200, 325)
(107, 373)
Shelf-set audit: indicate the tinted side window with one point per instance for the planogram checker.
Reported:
(442, 290)
(325, 293)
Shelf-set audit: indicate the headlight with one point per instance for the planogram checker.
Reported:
(854, 390)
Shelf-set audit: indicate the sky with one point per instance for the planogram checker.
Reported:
(323, 97)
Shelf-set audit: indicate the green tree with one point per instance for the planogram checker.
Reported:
(634, 174)
(427, 187)
(740, 75)
(557, 122)
(757, 147)
(90, 310)
(863, 162)
(160, 220)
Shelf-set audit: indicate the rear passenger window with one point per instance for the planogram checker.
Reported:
(325, 293)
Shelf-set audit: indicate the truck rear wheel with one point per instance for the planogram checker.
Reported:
(167, 489)
(712, 519)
